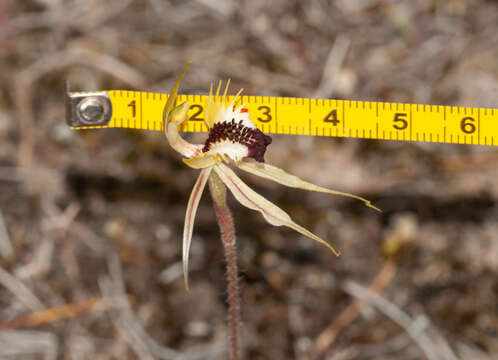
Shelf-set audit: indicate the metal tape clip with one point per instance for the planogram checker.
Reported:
(87, 109)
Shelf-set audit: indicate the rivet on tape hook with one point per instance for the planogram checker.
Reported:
(87, 109)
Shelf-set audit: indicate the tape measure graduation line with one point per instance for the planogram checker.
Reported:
(295, 116)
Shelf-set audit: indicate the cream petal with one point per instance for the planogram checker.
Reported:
(171, 130)
(245, 116)
(280, 176)
(193, 203)
(251, 199)
(202, 161)
(231, 150)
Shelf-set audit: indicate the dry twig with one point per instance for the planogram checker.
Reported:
(15, 343)
(328, 336)
(51, 315)
(6, 249)
(332, 67)
(21, 291)
(423, 340)
(144, 346)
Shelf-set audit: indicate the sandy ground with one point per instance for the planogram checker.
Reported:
(91, 222)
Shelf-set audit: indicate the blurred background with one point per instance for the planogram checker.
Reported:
(91, 221)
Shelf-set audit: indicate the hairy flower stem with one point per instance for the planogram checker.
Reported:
(227, 229)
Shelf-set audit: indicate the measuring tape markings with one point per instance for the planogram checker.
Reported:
(321, 117)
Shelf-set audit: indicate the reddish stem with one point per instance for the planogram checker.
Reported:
(227, 229)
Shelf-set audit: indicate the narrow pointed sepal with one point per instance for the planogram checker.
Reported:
(280, 176)
(193, 203)
(173, 117)
(252, 200)
(171, 102)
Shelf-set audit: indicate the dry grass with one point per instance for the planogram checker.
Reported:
(90, 223)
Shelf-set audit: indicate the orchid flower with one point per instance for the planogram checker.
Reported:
(233, 140)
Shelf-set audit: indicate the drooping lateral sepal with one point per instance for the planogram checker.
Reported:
(252, 200)
(188, 226)
(280, 176)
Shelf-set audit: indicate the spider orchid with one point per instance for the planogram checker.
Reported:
(233, 139)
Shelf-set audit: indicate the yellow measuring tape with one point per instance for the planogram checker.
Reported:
(318, 117)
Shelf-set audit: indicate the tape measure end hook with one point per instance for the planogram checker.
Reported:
(88, 108)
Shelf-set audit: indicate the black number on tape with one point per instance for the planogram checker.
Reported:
(467, 125)
(332, 118)
(400, 121)
(266, 112)
(133, 106)
(198, 111)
